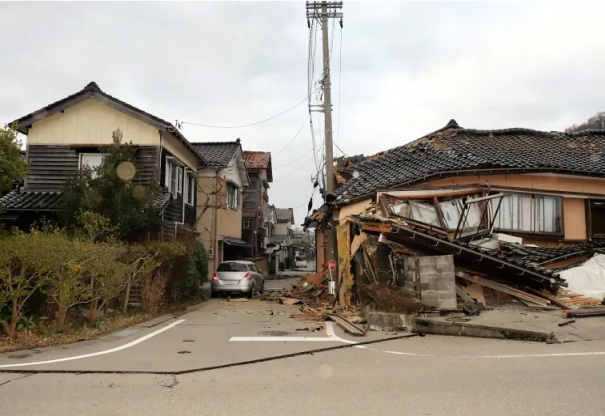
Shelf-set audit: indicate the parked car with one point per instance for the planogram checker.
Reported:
(237, 276)
(301, 263)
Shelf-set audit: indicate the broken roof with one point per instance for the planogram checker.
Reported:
(453, 149)
(92, 91)
(284, 214)
(259, 160)
(218, 153)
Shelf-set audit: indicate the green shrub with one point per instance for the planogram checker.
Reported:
(76, 271)
(197, 270)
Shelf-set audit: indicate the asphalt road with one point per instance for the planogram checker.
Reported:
(347, 381)
(432, 375)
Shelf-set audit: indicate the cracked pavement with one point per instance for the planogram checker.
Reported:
(447, 376)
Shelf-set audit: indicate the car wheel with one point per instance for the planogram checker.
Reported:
(213, 294)
(251, 293)
(262, 288)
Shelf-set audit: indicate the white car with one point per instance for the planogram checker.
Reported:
(301, 263)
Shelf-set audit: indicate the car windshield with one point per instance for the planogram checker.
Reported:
(232, 267)
(300, 259)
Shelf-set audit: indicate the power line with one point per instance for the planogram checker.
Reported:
(293, 138)
(295, 170)
(343, 153)
(292, 161)
(251, 124)
(339, 83)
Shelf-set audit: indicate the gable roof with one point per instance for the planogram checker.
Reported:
(284, 214)
(259, 160)
(453, 149)
(218, 153)
(92, 91)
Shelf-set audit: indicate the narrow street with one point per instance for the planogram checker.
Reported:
(213, 361)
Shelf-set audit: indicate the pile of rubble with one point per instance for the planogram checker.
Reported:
(312, 294)
(468, 269)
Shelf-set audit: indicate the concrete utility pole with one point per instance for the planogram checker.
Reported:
(325, 10)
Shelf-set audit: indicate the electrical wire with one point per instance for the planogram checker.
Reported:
(250, 124)
(293, 138)
(294, 171)
(339, 90)
(343, 153)
(292, 161)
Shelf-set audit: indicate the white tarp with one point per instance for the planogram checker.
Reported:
(587, 279)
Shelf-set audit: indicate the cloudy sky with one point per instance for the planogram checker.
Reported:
(407, 69)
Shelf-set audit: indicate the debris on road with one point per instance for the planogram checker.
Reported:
(567, 323)
(347, 325)
(230, 299)
(584, 312)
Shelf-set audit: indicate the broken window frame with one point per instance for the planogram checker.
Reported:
(535, 221)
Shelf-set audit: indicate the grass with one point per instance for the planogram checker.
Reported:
(46, 336)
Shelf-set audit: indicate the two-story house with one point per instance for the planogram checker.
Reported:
(255, 217)
(70, 133)
(283, 232)
(222, 178)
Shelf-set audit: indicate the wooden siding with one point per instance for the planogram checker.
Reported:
(51, 166)
(191, 211)
(252, 197)
(146, 161)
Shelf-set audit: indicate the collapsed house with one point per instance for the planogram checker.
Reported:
(465, 218)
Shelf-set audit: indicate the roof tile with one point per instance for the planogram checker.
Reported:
(217, 153)
(454, 149)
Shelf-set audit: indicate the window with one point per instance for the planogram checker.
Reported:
(424, 213)
(529, 213)
(246, 224)
(174, 178)
(232, 196)
(179, 180)
(190, 188)
(451, 212)
(232, 267)
(91, 160)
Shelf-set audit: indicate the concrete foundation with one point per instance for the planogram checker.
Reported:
(439, 326)
(390, 321)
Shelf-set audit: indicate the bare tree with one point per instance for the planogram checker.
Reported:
(596, 122)
(212, 194)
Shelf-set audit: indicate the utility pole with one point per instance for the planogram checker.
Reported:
(324, 10)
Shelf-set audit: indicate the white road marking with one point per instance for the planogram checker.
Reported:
(332, 337)
(94, 354)
(281, 339)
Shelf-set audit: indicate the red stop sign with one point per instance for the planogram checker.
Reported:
(332, 264)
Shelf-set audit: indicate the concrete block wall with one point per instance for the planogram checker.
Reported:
(435, 276)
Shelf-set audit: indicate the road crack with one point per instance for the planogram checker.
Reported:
(15, 379)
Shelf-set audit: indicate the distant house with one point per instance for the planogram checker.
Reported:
(70, 133)
(222, 179)
(255, 217)
(283, 230)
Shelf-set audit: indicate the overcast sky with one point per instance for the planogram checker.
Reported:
(407, 69)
